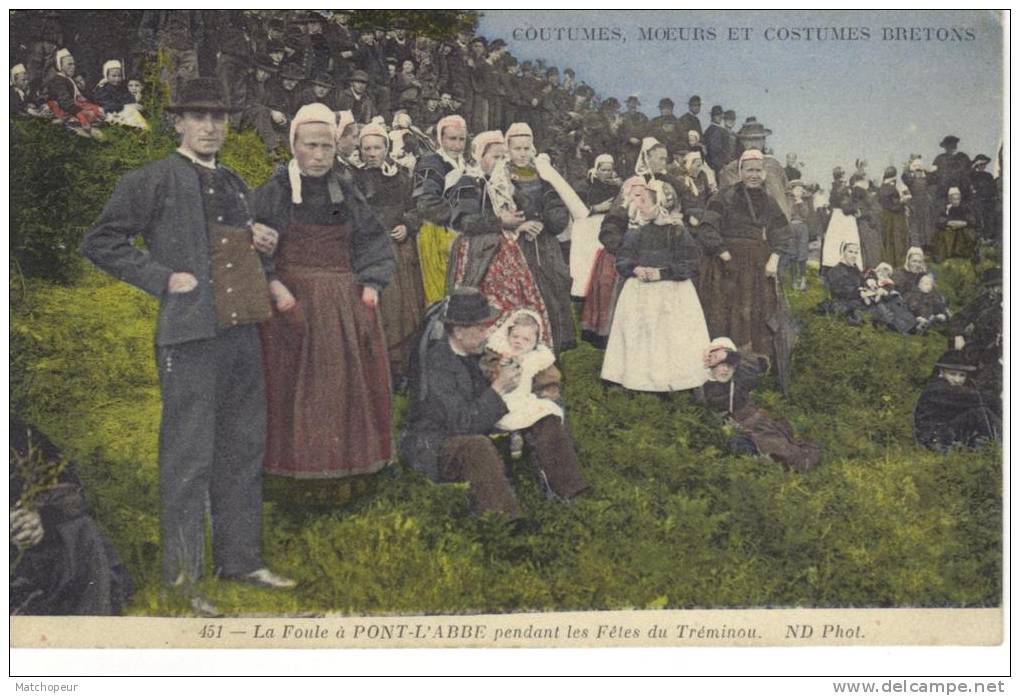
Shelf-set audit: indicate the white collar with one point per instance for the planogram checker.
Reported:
(195, 158)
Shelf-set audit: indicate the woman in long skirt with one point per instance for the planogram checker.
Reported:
(659, 332)
(327, 378)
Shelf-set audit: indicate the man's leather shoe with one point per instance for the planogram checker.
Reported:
(263, 577)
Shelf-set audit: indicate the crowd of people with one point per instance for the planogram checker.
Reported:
(445, 214)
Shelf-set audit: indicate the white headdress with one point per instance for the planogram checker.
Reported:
(309, 113)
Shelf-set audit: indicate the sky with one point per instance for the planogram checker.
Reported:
(830, 101)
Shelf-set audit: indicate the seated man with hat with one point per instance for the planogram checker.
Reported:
(200, 261)
(665, 126)
(952, 411)
(320, 90)
(356, 98)
(454, 408)
(267, 105)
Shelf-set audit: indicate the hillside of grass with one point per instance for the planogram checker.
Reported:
(674, 519)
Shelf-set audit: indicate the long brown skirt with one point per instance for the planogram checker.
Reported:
(737, 297)
(401, 305)
(327, 380)
(603, 289)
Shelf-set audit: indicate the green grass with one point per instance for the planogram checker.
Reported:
(673, 518)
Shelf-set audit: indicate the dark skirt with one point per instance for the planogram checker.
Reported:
(603, 289)
(737, 297)
(894, 238)
(952, 242)
(871, 244)
(327, 373)
(401, 305)
(552, 275)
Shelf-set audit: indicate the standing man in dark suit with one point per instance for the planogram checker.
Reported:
(690, 120)
(193, 215)
(715, 140)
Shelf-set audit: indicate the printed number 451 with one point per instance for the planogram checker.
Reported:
(211, 631)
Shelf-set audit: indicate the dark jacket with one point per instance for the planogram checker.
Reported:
(390, 198)
(845, 284)
(947, 415)
(371, 255)
(471, 214)
(454, 398)
(670, 248)
(688, 122)
(60, 89)
(363, 109)
(113, 98)
(162, 203)
(739, 212)
(715, 145)
(429, 186)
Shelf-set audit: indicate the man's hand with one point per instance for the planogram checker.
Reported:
(959, 342)
(282, 297)
(772, 266)
(726, 256)
(264, 238)
(26, 528)
(181, 282)
(279, 118)
(507, 379)
(399, 233)
(369, 297)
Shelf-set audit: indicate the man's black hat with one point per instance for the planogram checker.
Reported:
(291, 71)
(201, 94)
(467, 306)
(717, 111)
(949, 141)
(730, 115)
(954, 360)
(666, 103)
(323, 79)
(694, 100)
(359, 76)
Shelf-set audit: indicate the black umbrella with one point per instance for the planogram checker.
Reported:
(784, 338)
